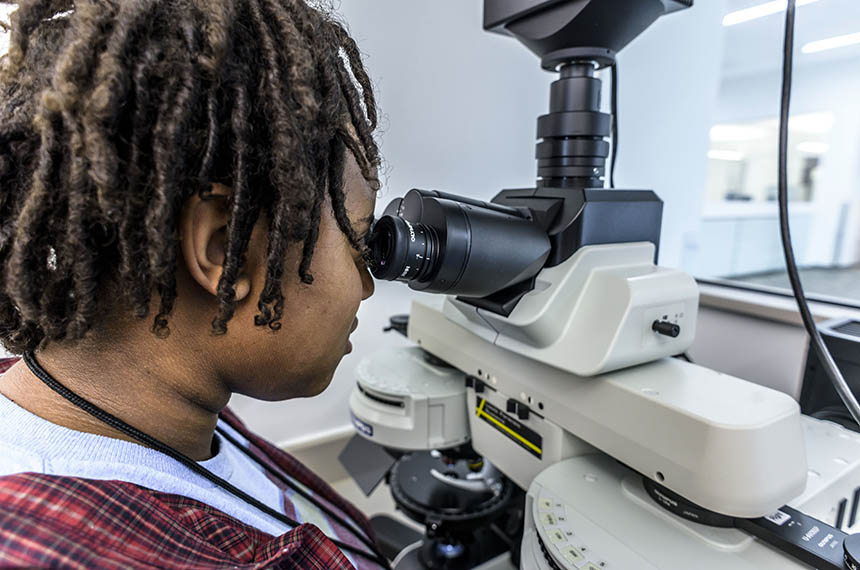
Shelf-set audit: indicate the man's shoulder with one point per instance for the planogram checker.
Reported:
(77, 503)
(55, 521)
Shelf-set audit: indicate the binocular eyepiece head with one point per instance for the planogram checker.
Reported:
(441, 243)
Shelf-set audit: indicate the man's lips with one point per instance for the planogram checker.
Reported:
(351, 330)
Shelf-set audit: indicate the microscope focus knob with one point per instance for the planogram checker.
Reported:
(666, 328)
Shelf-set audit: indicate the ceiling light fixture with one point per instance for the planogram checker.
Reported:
(759, 11)
(832, 43)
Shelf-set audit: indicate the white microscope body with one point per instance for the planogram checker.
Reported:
(574, 397)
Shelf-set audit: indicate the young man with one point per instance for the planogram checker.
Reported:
(185, 189)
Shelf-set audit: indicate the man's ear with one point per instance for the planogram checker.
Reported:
(203, 233)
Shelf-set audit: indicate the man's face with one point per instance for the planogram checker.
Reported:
(300, 359)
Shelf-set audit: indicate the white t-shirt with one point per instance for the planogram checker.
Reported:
(31, 444)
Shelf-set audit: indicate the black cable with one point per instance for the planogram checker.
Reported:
(614, 111)
(837, 414)
(815, 339)
(118, 424)
(359, 534)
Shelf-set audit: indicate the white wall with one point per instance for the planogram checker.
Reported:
(669, 80)
(461, 106)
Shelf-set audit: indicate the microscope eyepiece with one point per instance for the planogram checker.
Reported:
(441, 243)
(401, 250)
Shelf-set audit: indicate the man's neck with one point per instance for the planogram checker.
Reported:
(175, 402)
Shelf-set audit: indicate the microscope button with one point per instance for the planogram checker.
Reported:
(545, 504)
(549, 518)
(557, 536)
(572, 554)
(590, 566)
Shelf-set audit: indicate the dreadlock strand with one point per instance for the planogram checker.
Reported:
(161, 219)
(216, 26)
(364, 149)
(286, 110)
(26, 18)
(338, 202)
(368, 144)
(24, 266)
(287, 137)
(74, 74)
(354, 57)
(135, 264)
(77, 62)
(80, 218)
(321, 82)
(334, 177)
(299, 66)
(55, 303)
(104, 104)
(212, 139)
(243, 212)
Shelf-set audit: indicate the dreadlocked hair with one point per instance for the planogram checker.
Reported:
(114, 112)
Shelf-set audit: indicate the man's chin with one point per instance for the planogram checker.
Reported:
(319, 388)
(314, 386)
(306, 387)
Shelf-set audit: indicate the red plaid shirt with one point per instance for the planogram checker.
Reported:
(69, 522)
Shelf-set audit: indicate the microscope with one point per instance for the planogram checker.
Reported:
(541, 399)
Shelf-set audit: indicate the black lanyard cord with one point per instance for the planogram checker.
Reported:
(298, 489)
(116, 423)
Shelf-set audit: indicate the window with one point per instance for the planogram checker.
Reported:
(739, 234)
